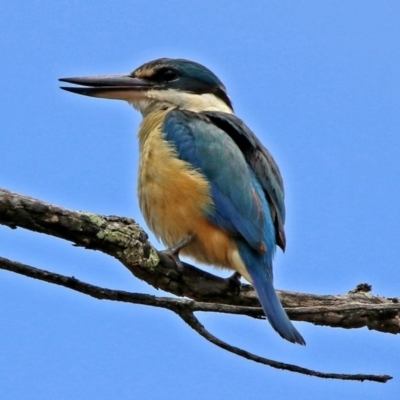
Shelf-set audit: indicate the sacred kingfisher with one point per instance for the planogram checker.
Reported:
(207, 187)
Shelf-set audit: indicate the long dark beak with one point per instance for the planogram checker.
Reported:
(120, 87)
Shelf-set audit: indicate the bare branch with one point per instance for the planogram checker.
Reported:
(194, 323)
(120, 295)
(182, 307)
(125, 240)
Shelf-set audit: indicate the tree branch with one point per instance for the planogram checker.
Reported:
(194, 323)
(125, 240)
(185, 309)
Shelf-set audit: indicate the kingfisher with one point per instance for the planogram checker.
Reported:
(207, 187)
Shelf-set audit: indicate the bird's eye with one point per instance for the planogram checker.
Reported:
(165, 75)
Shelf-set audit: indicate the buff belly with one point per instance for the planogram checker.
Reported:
(174, 200)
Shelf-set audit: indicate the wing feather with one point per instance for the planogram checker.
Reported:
(207, 148)
(261, 162)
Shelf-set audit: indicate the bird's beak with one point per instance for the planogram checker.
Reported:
(120, 87)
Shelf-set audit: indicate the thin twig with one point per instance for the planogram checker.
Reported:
(195, 306)
(194, 323)
(182, 307)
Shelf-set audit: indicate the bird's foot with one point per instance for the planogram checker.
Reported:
(174, 250)
(234, 283)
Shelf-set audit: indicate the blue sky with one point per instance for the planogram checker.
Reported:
(319, 84)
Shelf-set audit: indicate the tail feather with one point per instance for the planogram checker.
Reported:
(273, 309)
(259, 270)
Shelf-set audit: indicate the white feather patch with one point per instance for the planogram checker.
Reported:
(188, 101)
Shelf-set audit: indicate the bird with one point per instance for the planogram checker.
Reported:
(207, 186)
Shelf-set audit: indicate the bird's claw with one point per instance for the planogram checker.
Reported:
(174, 250)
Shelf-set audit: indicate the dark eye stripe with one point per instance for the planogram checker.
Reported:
(165, 75)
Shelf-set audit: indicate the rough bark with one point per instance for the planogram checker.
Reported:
(125, 240)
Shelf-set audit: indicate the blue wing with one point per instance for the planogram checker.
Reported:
(237, 208)
(262, 164)
(246, 197)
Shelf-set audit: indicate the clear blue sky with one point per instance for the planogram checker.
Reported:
(319, 84)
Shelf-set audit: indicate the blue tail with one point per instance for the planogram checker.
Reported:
(273, 309)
